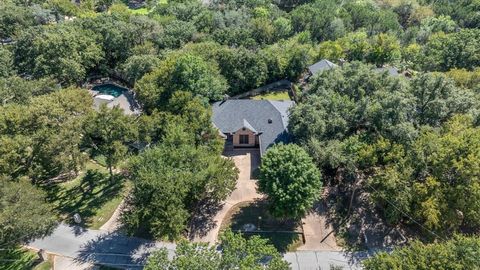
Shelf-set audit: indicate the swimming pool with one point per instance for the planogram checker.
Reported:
(109, 89)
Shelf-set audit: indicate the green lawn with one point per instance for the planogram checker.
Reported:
(277, 95)
(140, 11)
(46, 265)
(93, 195)
(282, 234)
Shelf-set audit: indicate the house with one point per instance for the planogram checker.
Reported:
(391, 71)
(245, 123)
(320, 66)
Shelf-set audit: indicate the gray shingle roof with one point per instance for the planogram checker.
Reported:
(321, 66)
(392, 71)
(248, 126)
(231, 115)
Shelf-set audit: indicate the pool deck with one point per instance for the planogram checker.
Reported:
(125, 101)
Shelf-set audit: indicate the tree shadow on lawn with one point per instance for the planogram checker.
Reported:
(201, 221)
(285, 235)
(86, 197)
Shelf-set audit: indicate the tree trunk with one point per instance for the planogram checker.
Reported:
(110, 170)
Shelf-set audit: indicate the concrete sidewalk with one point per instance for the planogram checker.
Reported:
(324, 260)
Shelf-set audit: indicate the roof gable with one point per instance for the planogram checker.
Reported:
(267, 118)
(321, 65)
(248, 126)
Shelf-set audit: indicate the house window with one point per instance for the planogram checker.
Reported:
(243, 139)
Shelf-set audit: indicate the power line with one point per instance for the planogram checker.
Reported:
(407, 215)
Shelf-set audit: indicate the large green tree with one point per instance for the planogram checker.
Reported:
(245, 70)
(108, 132)
(180, 72)
(456, 50)
(437, 181)
(459, 253)
(437, 99)
(13, 18)
(136, 66)
(15, 89)
(356, 98)
(67, 52)
(290, 180)
(24, 213)
(41, 139)
(171, 180)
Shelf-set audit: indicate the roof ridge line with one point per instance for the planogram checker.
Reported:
(278, 111)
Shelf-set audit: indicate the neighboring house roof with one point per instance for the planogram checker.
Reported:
(392, 71)
(321, 65)
(267, 118)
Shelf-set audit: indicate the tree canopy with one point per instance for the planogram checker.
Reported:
(290, 180)
(408, 137)
(184, 72)
(460, 252)
(171, 180)
(41, 139)
(24, 213)
(437, 180)
(66, 52)
(235, 252)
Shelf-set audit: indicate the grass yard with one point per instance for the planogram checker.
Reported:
(93, 195)
(284, 235)
(277, 95)
(140, 11)
(46, 265)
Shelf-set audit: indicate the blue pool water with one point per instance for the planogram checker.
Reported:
(109, 89)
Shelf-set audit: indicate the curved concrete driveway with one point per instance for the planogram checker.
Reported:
(246, 160)
(318, 235)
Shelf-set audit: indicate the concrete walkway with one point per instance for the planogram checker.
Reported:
(319, 235)
(113, 222)
(246, 160)
(79, 249)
